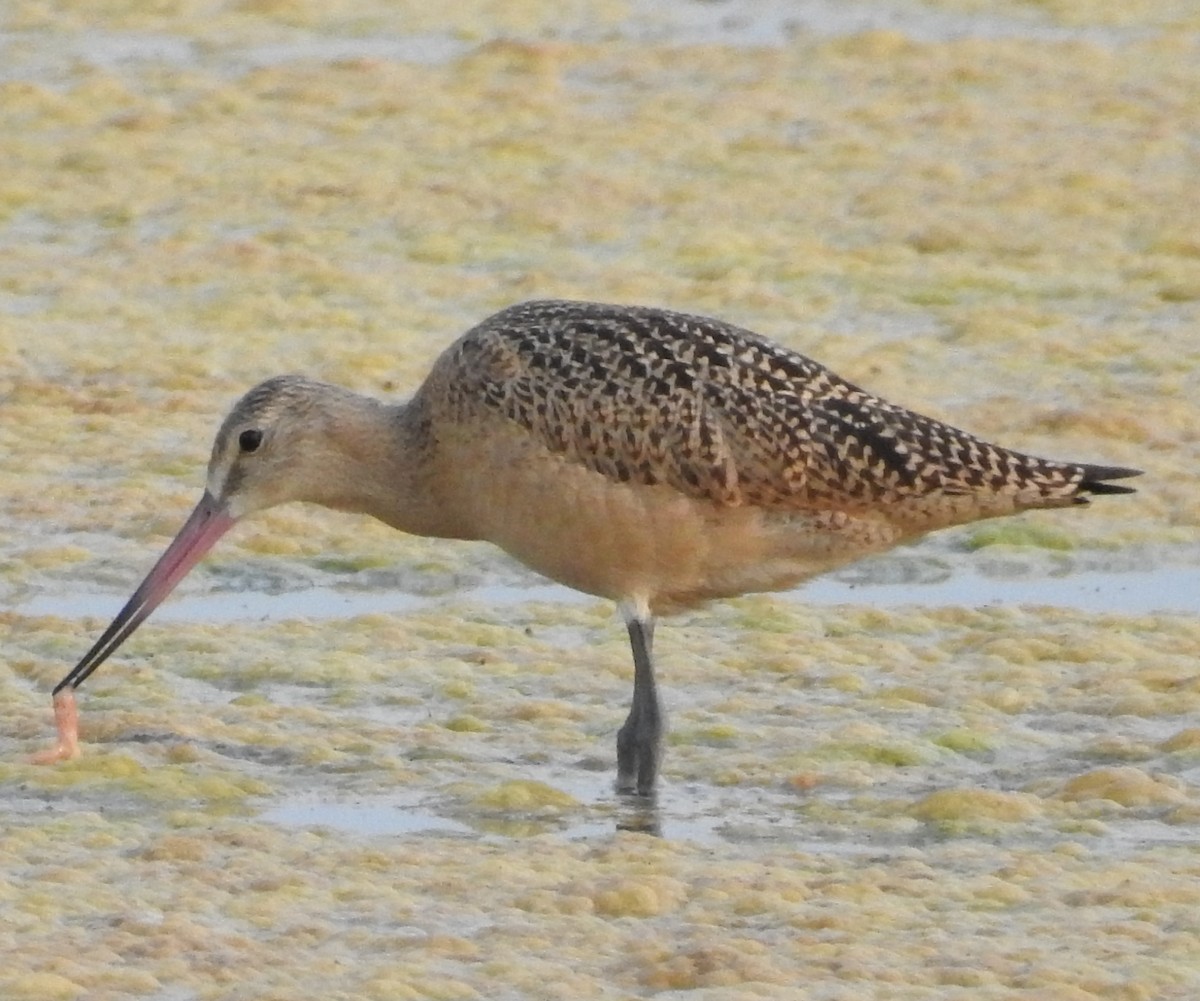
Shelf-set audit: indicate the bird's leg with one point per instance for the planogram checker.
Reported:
(639, 741)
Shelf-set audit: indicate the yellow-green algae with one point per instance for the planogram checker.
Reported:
(1019, 533)
(998, 227)
(954, 809)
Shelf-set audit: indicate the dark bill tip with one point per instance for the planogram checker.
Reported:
(204, 526)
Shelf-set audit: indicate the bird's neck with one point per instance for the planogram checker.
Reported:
(381, 463)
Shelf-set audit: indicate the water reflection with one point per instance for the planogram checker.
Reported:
(692, 812)
(639, 814)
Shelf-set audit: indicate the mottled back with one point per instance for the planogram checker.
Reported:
(720, 413)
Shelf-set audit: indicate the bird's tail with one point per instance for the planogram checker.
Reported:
(1095, 480)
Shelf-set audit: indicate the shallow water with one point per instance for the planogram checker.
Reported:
(696, 813)
(938, 776)
(1134, 592)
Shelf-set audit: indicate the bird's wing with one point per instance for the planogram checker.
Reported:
(718, 413)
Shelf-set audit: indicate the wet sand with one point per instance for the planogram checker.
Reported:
(349, 764)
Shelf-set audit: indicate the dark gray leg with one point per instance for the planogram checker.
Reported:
(639, 741)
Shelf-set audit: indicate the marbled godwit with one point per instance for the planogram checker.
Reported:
(651, 457)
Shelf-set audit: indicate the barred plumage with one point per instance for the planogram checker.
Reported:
(719, 413)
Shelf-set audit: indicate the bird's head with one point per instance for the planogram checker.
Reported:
(272, 448)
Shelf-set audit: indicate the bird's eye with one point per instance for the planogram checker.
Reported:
(250, 439)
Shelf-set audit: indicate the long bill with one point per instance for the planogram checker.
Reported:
(205, 525)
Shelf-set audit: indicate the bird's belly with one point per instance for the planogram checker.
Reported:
(652, 543)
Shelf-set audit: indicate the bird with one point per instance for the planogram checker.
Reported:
(656, 458)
